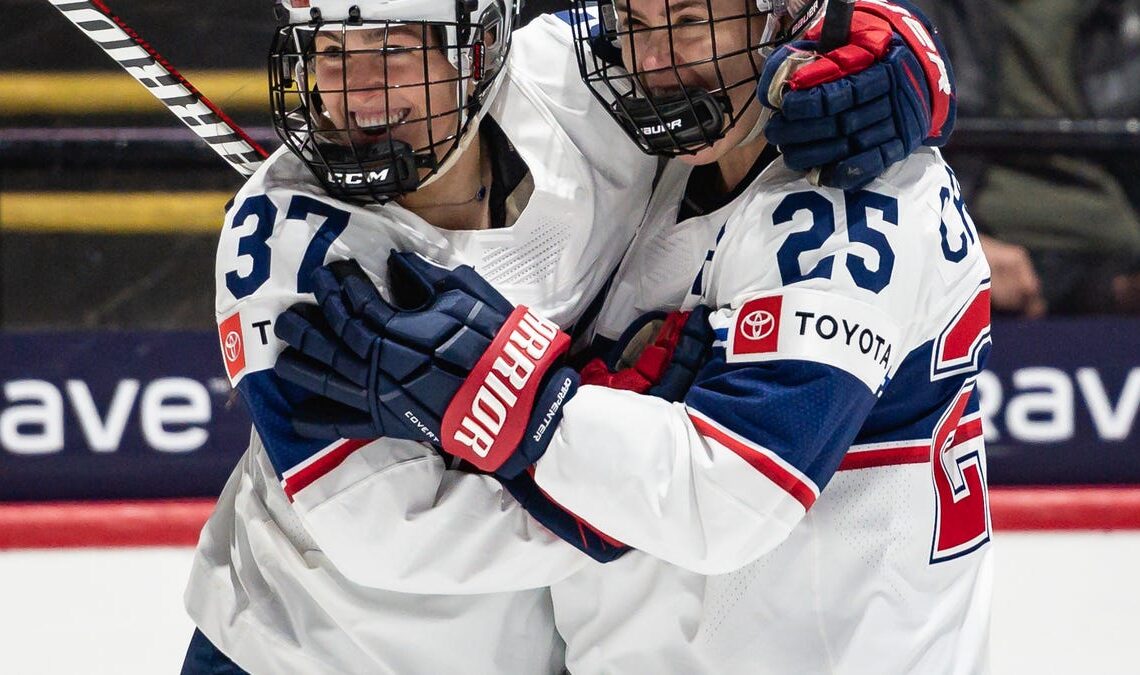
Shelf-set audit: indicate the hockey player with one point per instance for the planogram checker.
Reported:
(406, 126)
(821, 489)
(320, 554)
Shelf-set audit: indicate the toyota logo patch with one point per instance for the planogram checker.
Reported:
(757, 329)
(757, 325)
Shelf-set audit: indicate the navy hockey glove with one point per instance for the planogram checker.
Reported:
(658, 355)
(666, 367)
(858, 109)
(463, 368)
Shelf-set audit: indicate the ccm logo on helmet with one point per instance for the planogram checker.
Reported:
(530, 343)
(357, 177)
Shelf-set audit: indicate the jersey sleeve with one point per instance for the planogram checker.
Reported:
(819, 297)
(388, 513)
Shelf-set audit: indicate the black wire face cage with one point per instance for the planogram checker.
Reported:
(680, 101)
(375, 107)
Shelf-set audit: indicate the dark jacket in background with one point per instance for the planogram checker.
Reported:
(1050, 59)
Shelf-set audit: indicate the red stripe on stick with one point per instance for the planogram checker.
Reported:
(106, 11)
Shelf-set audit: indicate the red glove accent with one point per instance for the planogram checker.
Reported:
(486, 418)
(650, 364)
(870, 37)
(872, 24)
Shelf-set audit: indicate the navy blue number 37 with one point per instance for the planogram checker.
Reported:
(256, 246)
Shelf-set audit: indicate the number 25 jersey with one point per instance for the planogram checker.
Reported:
(817, 503)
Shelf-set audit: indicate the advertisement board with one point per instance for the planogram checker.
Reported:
(134, 415)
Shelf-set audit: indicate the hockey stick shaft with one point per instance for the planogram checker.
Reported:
(833, 34)
(836, 25)
(150, 69)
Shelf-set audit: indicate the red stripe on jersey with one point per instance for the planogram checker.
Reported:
(968, 328)
(756, 458)
(906, 454)
(869, 459)
(968, 430)
(331, 459)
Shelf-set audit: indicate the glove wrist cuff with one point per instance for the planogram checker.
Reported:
(556, 391)
(920, 41)
(489, 415)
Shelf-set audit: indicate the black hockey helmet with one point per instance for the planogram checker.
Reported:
(693, 63)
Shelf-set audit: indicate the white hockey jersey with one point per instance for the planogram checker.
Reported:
(318, 555)
(817, 504)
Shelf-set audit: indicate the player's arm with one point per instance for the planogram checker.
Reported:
(815, 320)
(709, 484)
(714, 482)
(857, 110)
(389, 513)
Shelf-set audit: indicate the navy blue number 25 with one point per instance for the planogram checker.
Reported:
(255, 244)
(856, 204)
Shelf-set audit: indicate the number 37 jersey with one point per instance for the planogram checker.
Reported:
(336, 557)
(820, 494)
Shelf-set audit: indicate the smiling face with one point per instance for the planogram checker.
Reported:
(709, 45)
(381, 83)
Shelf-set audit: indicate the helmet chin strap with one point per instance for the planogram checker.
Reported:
(758, 128)
(771, 26)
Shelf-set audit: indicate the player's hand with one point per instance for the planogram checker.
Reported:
(658, 355)
(856, 110)
(463, 368)
(1014, 285)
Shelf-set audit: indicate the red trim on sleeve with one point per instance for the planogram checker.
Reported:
(760, 461)
(583, 524)
(870, 459)
(332, 457)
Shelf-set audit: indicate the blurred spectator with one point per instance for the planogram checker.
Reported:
(1063, 230)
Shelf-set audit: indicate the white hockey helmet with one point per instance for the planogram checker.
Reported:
(394, 152)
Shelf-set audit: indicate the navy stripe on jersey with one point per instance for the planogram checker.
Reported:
(911, 404)
(271, 401)
(792, 420)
